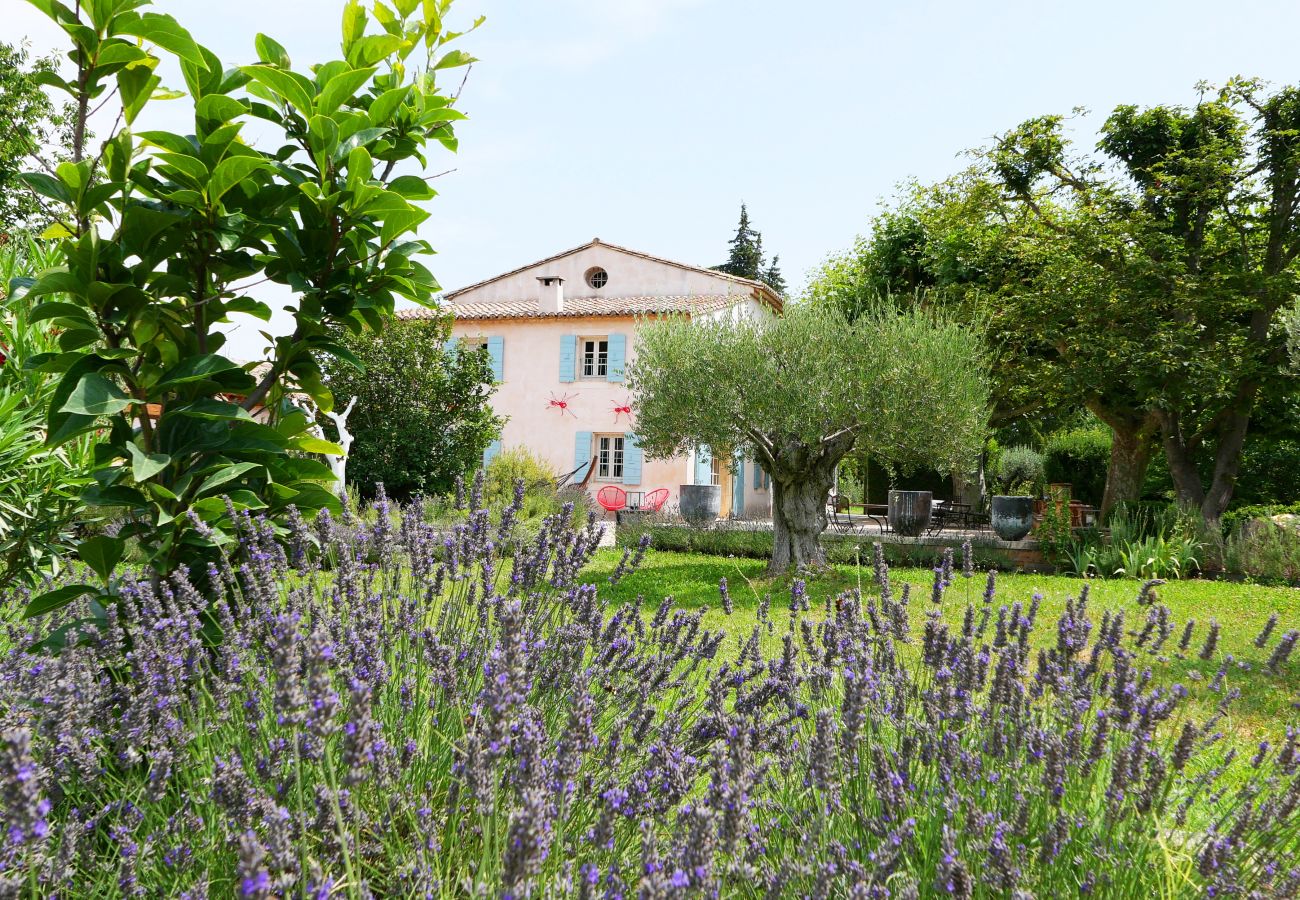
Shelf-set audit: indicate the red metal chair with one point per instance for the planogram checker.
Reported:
(612, 498)
(655, 500)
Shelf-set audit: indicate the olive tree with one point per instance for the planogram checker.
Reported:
(798, 392)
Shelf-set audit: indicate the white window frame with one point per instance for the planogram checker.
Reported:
(598, 359)
(715, 471)
(610, 452)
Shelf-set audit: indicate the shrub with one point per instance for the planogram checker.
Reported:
(1020, 470)
(1264, 551)
(1238, 516)
(1146, 541)
(738, 540)
(40, 486)
(511, 466)
(422, 416)
(482, 726)
(1080, 458)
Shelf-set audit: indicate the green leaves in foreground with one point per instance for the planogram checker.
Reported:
(166, 236)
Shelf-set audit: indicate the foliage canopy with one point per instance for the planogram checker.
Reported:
(166, 235)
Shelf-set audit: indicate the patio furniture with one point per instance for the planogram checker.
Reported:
(612, 498)
(655, 500)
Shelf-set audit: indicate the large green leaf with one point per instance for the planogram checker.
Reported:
(197, 368)
(146, 465)
(162, 30)
(387, 103)
(135, 85)
(219, 108)
(271, 52)
(226, 474)
(69, 313)
(95, 395)
(102, 553)
(341, 88)
(230, 172)
(56, 599)
(57, 281)
(46, 186)
(284, 85)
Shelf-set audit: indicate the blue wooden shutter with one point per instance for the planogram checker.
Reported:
(767, 481)
(703, 465)
(568, 357)
(617, 357)
(581, 453)
(738, 487)
(758, 476)
(631, 459)
(449, 345)
(497, 350)
(492, 450)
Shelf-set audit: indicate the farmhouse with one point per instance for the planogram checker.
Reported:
(560, 332)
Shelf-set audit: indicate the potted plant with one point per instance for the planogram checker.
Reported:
(700, 504)
(909, 512)
(1020, 475)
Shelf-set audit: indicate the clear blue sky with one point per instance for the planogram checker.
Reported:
(646, 122)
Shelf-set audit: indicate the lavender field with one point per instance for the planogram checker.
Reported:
(384, 711)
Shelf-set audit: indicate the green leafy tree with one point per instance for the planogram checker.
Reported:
(798, 392)
(1188, 221)
(178, 232)
(33, 128)
(1062, 332)
(422, 415)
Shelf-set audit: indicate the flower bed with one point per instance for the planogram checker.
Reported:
(372, 711)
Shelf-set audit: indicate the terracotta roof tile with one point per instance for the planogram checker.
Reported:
(578, 307)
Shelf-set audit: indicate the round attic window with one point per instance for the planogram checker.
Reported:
(597, 277)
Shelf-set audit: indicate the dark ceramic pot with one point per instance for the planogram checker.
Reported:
(909, 512)
(700, 503)
(1012, 517)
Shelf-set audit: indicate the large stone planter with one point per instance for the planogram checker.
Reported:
(700, 503)
(1012, 517)
(909, 512)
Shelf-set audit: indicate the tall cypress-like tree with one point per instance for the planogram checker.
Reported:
(773, 278)
(746, 258)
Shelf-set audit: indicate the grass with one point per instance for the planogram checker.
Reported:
(1268, 701)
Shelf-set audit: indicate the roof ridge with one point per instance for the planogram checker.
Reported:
(763, 288)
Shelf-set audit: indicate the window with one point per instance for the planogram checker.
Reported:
(715, 471)
(595, 357)
(597, 277)
(609, 457)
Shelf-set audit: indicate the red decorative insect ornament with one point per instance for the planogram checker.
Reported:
(624, 410)
(562, 404)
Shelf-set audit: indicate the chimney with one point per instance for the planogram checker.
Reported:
(552, 299)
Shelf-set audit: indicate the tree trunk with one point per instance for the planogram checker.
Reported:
(799, 518)
(1131, 449)
(1231, 439)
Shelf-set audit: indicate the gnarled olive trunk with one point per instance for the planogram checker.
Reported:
(802, 477)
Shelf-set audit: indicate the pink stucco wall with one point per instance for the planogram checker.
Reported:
(530, 361)
(530, 370)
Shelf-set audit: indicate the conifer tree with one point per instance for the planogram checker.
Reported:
(746, 257)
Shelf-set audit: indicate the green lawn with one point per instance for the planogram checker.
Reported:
(1268, 704)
